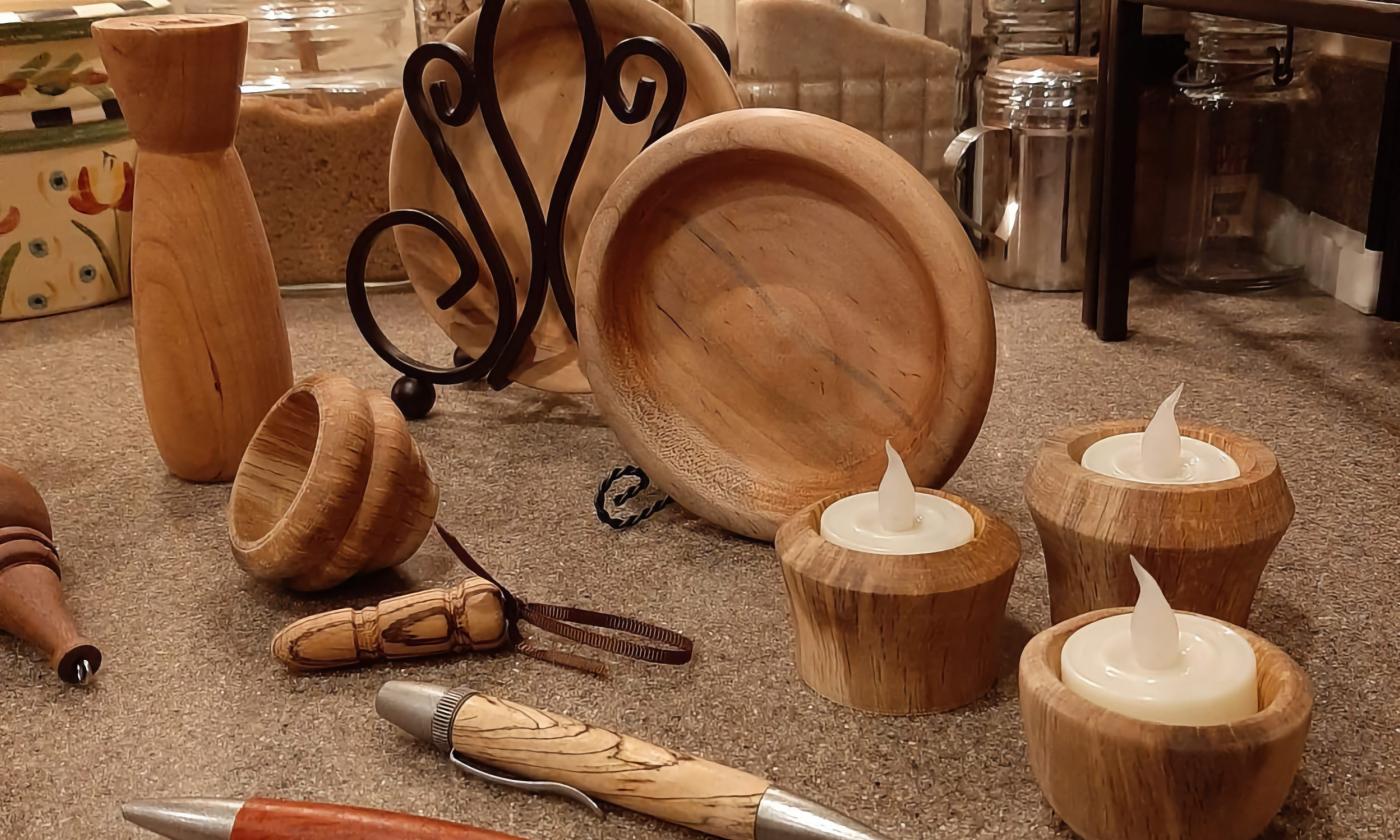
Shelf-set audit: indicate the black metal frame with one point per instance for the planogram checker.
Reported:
(1109, 256)
(431, 108)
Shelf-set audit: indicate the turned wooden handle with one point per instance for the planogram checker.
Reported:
(275, 819)
(633, 774)
(468, 616)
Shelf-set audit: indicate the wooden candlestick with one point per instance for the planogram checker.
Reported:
(1205, 544)
(210, 338)
(898, 634)
(1112, 777)
(31, 595)
(468, 616)
(332, 485)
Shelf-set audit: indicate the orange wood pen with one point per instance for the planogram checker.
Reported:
(278, 819)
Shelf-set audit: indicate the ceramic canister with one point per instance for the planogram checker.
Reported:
(66, 162)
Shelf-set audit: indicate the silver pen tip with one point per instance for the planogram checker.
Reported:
(787, 816)
(184, 819)
(410, 706)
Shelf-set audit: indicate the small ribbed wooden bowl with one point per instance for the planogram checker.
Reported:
(331, 485)
(1206, 544)
(1112, 777)
(898, 634)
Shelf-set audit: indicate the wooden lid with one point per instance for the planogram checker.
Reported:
(765, 297)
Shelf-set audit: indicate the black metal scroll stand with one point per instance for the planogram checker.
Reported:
(432, 107)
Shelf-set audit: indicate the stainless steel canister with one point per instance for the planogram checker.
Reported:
(1031, 187)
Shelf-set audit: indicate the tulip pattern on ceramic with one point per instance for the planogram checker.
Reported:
(65, 222)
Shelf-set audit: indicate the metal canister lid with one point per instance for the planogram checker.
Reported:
(1043, 91)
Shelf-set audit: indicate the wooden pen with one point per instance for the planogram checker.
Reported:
(278, 819)
(548, 751)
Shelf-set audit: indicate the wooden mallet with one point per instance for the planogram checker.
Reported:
(31, 595)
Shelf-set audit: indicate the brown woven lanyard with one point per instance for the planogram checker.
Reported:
(566, 621)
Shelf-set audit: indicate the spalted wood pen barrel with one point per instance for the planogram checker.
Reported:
(31, 595)
(210, 338)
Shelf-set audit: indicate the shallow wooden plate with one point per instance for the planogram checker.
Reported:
(764, 298)
(539, 72)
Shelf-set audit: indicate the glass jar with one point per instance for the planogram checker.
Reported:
(321, 99)
(1232, 117)
(1018, 28)
(896, 69)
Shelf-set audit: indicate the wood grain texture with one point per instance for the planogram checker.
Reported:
(332, 485)
(31, 594)
(898, 634)
(468, 616)
(276, 819)
(1206, 544)
(538, 70)
(1111, 777)
(210, 338)
(620, 769)
(764, 298)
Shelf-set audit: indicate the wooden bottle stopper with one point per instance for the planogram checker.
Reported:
(898, 634)
(332, 485)
(470, 615)
(1112, 777)
(1205, 544)
(210, 338)
(31, 595)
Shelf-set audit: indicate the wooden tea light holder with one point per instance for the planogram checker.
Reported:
(1179, 759)
(331, 485)
(1202, 508)
(901, 625)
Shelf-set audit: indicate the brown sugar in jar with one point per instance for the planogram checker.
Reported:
(319, 165)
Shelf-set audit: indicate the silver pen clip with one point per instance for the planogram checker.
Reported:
(529, 785)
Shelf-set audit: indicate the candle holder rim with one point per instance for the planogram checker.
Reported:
(804, 528)
(1289, 707)
(1065, 449)
(328, 399)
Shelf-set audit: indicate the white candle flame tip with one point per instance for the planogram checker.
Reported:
(1156, 637)
(896, 495)
(1161, 443)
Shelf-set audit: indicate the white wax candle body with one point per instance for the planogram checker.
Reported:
(1214, 681)
(1120, 456)
(939, 525)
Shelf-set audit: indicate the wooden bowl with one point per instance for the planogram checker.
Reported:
(898, 634)
(1206, 544)
(539, 79)
(332, 485)
(1112, 777)
(764, 298)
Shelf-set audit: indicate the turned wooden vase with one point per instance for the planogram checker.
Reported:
(898, 634)
(1205, 544)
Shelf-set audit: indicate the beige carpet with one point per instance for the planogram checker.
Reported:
(189, 702)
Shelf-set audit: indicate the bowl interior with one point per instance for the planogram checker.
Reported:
(275, 467)
(803, 336)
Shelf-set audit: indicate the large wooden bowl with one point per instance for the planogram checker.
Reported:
(1112, 777)
(331, 485)
(765, 297)
(1205, 544)
(539, 79)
